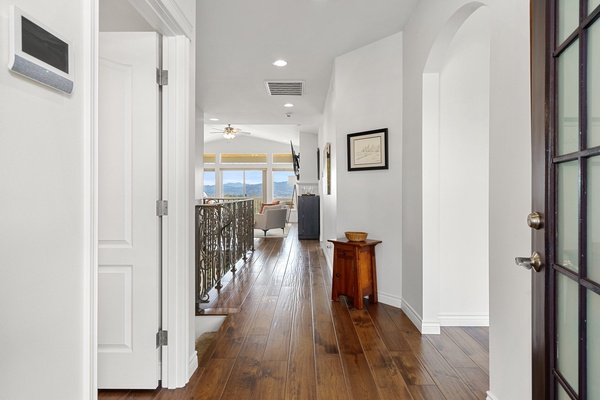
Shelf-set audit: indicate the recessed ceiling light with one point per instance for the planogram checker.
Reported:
(213, 119)
(280, 63)
(288, 105)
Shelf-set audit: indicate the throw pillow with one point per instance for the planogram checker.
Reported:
(262, 207)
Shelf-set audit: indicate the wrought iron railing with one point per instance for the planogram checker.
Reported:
(224, 235)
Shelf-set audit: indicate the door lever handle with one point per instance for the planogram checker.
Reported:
(535, 261)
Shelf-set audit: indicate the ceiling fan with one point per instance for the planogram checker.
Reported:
(229, 132)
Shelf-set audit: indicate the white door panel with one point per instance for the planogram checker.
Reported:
(128, 228)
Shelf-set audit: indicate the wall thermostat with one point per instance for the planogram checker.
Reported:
(39, 53)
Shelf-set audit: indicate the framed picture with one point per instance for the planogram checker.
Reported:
(318, 164)
(368, 150)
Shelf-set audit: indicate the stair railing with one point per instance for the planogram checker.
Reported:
(224, 235)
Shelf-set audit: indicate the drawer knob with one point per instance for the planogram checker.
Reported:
(337, 275)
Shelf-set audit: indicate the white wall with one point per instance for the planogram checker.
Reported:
(244, 144)
(199, 156)
(368, 93)
(510, 166)
(43, 230)
(464, 174)
(327, 135)
(308, 157)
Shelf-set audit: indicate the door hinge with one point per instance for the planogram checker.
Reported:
(162, 338)
(162, 77)
(162, 208)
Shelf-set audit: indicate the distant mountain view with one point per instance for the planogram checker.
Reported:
(281, 190)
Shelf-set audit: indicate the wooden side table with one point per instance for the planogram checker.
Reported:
(354, 270)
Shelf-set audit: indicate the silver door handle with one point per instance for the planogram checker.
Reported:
(535, 261)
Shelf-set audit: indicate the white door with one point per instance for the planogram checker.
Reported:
(128, 228)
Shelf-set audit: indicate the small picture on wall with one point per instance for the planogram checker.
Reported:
(368, 150)
(318, 164)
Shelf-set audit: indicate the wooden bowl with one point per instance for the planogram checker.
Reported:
(356, 236)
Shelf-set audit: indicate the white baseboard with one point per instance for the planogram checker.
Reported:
(490, 396)
(464, 320)
(431, 328)
(193, 364)
(426, 328)
(389, 299)
(328, 261)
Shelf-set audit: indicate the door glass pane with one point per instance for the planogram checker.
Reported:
(568, 100)
(209, 183)
(593, 231)
(593, 345)
(562, 394)
(568, 216)
(593, 105)
(568, 18)
(592, 4)
(567, 332)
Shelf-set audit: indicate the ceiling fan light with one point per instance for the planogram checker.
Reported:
(228, 135)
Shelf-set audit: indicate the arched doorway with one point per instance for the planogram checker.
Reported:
(456, 173)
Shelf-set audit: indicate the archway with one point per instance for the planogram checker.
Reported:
(455, 172)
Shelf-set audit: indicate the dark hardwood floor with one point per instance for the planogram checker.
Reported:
(286, 339)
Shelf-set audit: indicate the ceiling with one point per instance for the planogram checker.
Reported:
(238, 40)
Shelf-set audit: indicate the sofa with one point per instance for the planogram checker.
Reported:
(271, 217)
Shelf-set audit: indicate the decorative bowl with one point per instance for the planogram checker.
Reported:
(356, 236)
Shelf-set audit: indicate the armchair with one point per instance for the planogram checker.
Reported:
(271, 218)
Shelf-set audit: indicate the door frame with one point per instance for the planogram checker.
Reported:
(178, 144)
(540, 125)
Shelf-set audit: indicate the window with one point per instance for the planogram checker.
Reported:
(285, 158)
(244, 183)
(209, 158)
(243, 158)
(209, 183)
(282, 190)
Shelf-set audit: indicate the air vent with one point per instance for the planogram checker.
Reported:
(285, 88)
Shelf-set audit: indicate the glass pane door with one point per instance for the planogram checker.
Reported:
(574, 201)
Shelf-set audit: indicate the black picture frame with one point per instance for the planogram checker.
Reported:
(318, 164)
(368, 150)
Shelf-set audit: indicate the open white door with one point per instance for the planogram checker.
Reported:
(128, 226)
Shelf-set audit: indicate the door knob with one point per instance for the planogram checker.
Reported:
(535, 261)
(535, 220)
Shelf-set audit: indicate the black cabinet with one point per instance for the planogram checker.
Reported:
(308, 217)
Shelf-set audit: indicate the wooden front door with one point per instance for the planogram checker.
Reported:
(566, 176)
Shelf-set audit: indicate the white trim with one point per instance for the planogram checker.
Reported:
(490, 396)
(464, 320)
(389, 299)
(177, 298)
(426, 328)
(165, 16)
(192, 365)
(90, 200)
(324, 248)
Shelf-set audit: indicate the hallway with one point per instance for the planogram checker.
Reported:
(290, 341)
